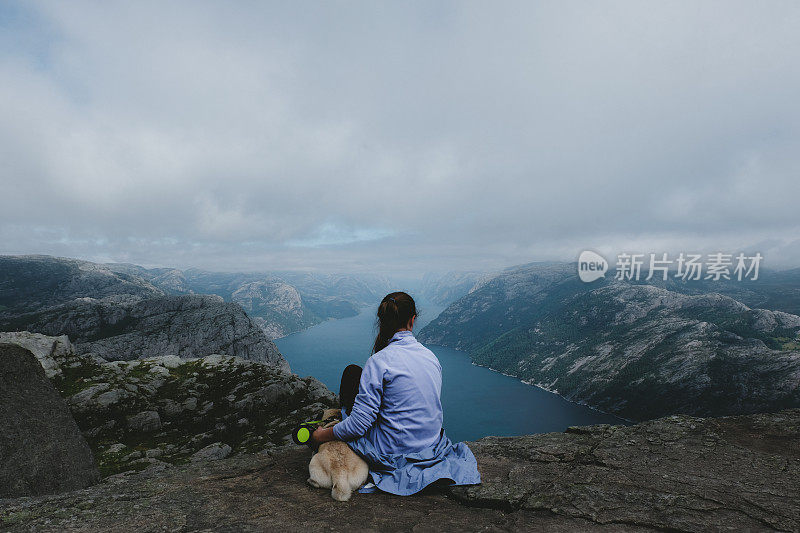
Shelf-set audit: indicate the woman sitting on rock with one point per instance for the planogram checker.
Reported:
(392, 411)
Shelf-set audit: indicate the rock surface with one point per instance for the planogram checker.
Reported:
(678, 473)
(673, 474)
(212, 452)
(42, 450)
(186, 326)
(48, 350)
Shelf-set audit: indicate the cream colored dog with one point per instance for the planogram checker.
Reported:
(336, 466)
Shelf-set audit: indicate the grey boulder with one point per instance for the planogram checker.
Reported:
(42, 450)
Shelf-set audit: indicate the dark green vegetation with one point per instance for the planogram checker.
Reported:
(164, 410)
(636, 350)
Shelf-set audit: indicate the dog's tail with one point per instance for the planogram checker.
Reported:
(340, 490)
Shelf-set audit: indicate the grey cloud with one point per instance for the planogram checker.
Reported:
(396, 136)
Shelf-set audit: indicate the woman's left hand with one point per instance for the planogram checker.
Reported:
(321, 435)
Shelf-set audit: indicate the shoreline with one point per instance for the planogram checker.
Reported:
(546, 389)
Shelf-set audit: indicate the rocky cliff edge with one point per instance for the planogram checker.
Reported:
(677, 473)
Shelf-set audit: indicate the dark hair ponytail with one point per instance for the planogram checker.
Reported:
(394, 313)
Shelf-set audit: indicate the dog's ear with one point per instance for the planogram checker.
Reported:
(331, 413)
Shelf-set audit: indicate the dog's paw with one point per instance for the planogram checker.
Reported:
(313, 483)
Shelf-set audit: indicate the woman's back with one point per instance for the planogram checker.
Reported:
(398, 408)
(410, 417)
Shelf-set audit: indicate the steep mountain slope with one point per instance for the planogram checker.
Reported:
(644, 352)
(636, 350)
(501, 303)
(120, 316)
(125, 328)
(28, 283)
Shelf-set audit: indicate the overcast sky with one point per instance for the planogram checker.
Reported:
(397, 137)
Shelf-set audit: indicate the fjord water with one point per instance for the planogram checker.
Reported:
(477, 401)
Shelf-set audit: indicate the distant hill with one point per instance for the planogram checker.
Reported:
(444, 289)
(33, 282)
(280, 302)
(776, 290)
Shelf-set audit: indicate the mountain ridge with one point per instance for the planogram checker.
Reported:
(636, 350)
(121, 316)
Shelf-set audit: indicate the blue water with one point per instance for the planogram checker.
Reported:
(477, 401)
